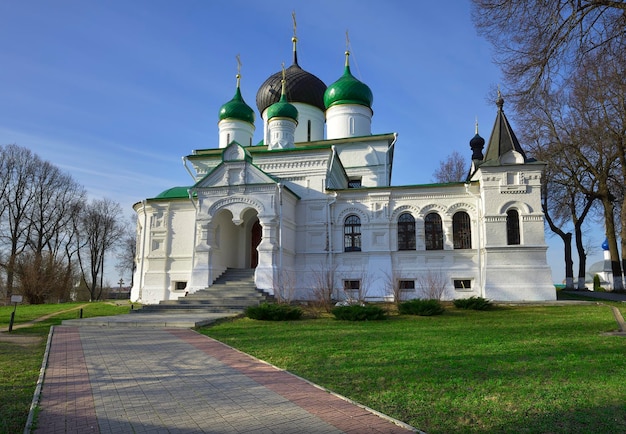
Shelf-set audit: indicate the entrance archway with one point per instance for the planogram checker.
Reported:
(235, 245)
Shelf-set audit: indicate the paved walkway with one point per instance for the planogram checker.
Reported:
(139, 380)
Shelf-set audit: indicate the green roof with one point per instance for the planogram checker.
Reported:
(282, 109)
(174, 193)
(237, 108)
(348, 90)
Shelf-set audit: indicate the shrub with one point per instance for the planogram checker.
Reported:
(421, 307)
(358, 313)
(596, 283)
(274, 312)
(475, 303)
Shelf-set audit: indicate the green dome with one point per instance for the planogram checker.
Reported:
(348, 90)
(282, 109)
(237, 108)
(174, 193)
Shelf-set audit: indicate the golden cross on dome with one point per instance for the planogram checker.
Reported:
(283, 80)
(295, 26)
(238, 68)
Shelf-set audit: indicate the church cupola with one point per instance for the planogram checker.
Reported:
(477, 144)
(302, 89)
(282, 120)
(348, 103)
(236, 120)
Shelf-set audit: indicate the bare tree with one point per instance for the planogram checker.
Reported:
(286, 288)
(127, 253)
(540, 43)
(394, 288)
(324, 280)
(42, 277)
(365, 279)
(99, 227)
(452, 169)
(563, 203)
(574, 50)
(19, 166)
(432, 285)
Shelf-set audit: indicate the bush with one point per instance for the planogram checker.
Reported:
(421, 307)
(274, 312)
(475, 303)
(358, 313)
(596, 283)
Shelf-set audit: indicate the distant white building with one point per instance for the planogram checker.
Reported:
(307, 203)
(602, 269)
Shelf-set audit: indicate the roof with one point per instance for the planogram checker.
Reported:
(503, 139)
(282, 109)
(301, 86)
(237, 108)
(348, 90)
(174, 193)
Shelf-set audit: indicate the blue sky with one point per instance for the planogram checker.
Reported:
(117, 92)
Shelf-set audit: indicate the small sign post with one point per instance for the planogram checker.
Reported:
(14, 299)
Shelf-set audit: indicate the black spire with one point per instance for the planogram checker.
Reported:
(502, 138)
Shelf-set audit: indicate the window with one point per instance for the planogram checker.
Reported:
(352, 234)
(351, 288)
(180, 286)
(308, 130)
(433, 232)
(406, 285)
(461, 231)
(406, 232)
(512, 227)
(354, 183)
(462, 284)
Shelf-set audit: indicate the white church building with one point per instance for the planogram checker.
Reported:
(314, 201)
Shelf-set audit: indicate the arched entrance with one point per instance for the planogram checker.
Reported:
(256, 234)
(235, 243)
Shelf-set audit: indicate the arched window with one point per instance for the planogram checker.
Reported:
(406, 232)
(461, 231)
(433, 232)
(352, 234)
(512, 227)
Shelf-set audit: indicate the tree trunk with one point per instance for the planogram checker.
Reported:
(609, 225)
(582, 254)
(567, 248)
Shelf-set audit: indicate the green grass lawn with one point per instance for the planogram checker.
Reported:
(509, 370)
(20, 362)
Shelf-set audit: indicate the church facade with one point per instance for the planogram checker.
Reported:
(311, 208)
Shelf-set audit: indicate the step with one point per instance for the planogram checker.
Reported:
(231, 293)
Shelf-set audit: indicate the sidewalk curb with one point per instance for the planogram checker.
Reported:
(37, 394)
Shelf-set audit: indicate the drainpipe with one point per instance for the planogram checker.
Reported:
(389, 166)
(195, 231)
(330, 232)
(187, 168)
(332, 160)
(280, 236)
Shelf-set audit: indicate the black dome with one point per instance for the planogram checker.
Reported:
(300, 86)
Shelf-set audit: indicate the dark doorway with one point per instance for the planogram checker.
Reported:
(255, 240)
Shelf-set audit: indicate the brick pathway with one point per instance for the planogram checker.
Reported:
(178, 381)
(67, 404)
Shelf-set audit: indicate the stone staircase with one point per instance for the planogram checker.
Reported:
(231, 293)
